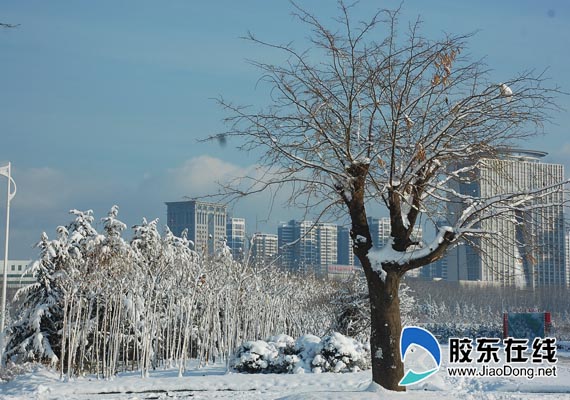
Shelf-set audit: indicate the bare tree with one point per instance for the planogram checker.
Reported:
(367, 114)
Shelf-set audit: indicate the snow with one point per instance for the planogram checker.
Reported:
(282, 354)
(388, 255)
(405, 220)
(506, 91)
(360, 239)
(213, 382)
(379, 355)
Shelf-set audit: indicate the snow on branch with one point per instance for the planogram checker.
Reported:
(413, 257)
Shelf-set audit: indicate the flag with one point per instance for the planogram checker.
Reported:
(5, 171)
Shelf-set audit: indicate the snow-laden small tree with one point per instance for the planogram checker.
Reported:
(101, 304)
(370, 114)
(35, 332)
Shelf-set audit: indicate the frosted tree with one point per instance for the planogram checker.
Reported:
(101, 304)
(35, 332)
(366, 114)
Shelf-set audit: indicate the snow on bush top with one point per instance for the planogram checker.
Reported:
(280, 354)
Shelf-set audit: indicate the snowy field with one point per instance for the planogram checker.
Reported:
(214, 383)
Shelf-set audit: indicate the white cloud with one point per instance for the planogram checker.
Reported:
(45, 196)
(202, 175)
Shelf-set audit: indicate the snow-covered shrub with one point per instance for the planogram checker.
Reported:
(284, 343)
(278, 355)
(11, 370)
(339, 353)
(255, 356)
(307, 347)
(332, 353)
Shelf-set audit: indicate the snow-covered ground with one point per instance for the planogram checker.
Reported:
(214, 383)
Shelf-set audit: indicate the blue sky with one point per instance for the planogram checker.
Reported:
(102, 102)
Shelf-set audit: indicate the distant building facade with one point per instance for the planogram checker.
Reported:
(306, 247)
(205, 222)
(345, 254)
(526, 254)
(327, 247)
(264, 249)
(235, 236)
(567, 248)
(297, 242)
(16, 278)
(379, 231)
(437, 269)
(342, 272)
(15, 272)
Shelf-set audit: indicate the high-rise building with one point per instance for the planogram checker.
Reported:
(205, 222)
(379, 231)
(327, 247)
(287, 236)
(567, 248)
(526, 249)
(345, 255)
(263, 250)
(235, 234)
(306, 247)
(297, 246)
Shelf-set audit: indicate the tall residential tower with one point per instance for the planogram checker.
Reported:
(205, 222)
(525, 249)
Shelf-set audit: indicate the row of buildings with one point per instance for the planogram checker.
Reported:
(323, 249)
(527, 249)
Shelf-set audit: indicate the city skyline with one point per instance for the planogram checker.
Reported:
(310, 247)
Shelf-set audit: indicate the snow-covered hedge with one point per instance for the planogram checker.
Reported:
(309, 353)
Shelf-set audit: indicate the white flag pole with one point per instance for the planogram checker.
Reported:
(6, 172)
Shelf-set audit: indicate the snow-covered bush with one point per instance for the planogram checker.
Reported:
(11, 370)
(265, 357)
(278, 355)
(332, 353)
(339, 353)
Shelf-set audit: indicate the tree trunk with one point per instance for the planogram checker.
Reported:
(386, 329)
(386, 325)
